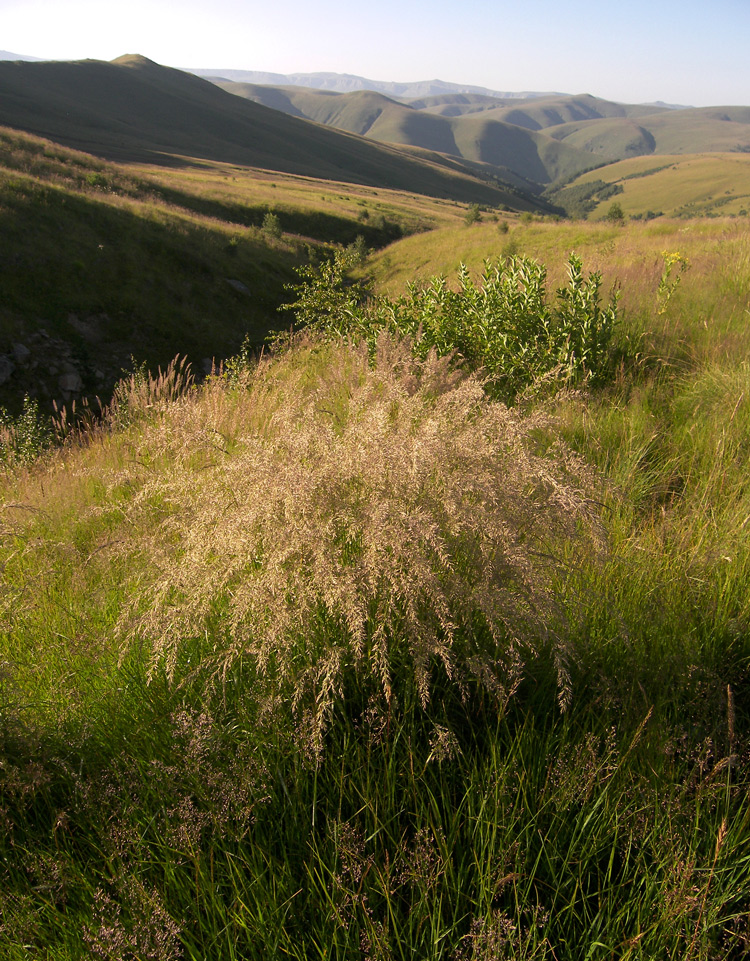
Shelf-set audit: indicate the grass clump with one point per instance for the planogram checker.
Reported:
(389, 523)
(282, 658)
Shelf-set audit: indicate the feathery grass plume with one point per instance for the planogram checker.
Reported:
(359, 522)
(140, 391)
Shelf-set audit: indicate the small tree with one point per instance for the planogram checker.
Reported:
(272, 225)
(473, 215)
(358, 250)
(615, 214)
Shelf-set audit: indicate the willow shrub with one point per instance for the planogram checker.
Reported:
(506, 324)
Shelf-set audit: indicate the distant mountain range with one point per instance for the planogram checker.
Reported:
(346, 83)
(7, 55)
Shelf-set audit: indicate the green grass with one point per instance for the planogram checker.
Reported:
(250, 702)
(715, 184)
(149, 817)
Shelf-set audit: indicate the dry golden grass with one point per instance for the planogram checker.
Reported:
(323, 516)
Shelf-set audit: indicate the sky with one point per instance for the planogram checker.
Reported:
(686, 52)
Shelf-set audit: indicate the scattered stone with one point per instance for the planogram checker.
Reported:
(209, 365)
(238, 285)
(70, 383)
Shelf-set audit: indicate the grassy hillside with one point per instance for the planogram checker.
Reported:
(677, 185)
(101, 261)
(697, 130)
(520, 152)
(712, 290)
(134, 110)
(334, 656)
(544, 112)
(518, 138)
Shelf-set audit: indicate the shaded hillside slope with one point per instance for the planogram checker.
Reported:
(478, 138)
(135, 110)
(96, 268)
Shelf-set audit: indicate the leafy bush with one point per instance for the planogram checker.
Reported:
(503, 325)
(25, 437)
(272, 225)
(473, 215)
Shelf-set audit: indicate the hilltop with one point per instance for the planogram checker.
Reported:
(132, 109)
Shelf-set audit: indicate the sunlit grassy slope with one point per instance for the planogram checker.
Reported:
(249, 707)
(629, 256)
(678, 184)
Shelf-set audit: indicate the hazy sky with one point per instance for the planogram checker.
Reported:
(689, 52)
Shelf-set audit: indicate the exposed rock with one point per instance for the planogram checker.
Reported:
(238, 285)
(6, 368)
(21, 353)
(70, 383)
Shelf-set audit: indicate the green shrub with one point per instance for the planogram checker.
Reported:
(473, 215)
(25, 437)
(272, 225)
(503, 325)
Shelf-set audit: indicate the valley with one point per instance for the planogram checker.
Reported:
(374, 552)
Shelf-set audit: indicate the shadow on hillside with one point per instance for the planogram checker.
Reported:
(315, 224)
(99, 283)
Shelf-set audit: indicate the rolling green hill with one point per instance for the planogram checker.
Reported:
(675, 185)
(135, 110)
(544, 112)
(516, 151)
(521, 139)
(689, 131)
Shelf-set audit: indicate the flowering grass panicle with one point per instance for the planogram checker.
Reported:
(349, 522)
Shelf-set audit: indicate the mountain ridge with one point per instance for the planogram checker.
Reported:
(346, 83)
(134, 109)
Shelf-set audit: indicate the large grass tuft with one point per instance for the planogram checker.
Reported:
(378, 517)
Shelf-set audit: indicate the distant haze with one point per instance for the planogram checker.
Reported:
(345, 83)
(684, 52)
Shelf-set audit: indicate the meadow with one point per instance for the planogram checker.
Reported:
(336, 655)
